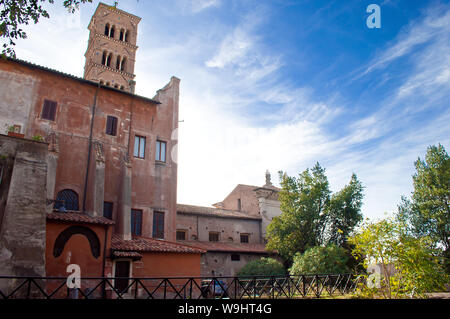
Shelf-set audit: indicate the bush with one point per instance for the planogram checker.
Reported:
(417, 263)
(262, 267)
(321, 260)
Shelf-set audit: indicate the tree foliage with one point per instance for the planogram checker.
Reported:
(321, 260)
(344, 211)
(404, 265)
(15, 14)
(311, 216)
(262, 267)
(427, 213)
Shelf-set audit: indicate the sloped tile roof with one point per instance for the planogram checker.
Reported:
(126, 254)
(78, 217)
(229, 247)
(67, 75)
(144, 244)
(213, 212)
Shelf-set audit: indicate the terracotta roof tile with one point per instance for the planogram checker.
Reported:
(78, 217)
(124, 254)
(228, 247)
(213, 212)
(144, 244)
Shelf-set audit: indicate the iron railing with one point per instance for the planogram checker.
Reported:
(268, 287)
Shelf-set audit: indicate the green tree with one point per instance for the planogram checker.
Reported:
(262, 267)
(344, 212)
(427, 213)
(321, 260)
(14, 14)
(311, 216)
(409, 266)
(302, 222)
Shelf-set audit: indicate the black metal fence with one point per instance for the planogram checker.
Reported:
(303, 286)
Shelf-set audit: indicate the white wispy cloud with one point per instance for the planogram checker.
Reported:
(195, 6)
(435, 25)
(231, 82)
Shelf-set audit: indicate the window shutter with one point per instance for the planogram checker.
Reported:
(52, 110)
(49, 110)
(111, 125)
(114, 125)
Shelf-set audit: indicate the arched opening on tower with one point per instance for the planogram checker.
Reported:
(122, 35)
(107, 29)
(123, 64)
(127, 36)
(118, 62)
(108, 60)
(104, 56)
(111, 33)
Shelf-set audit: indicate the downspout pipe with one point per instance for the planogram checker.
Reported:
(88, 162)
(104, 261)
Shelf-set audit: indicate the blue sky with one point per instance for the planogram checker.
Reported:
(280, 85)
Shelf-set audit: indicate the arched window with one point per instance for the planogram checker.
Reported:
(107, 84)
(122, 35)
(104, 58)
(118, 62)
(123, 65)
(116, 86)
(102, 83)
(108, 60)
(122, 87)
(127, 36)
(111, 33)
(68, 199)
(107, 29)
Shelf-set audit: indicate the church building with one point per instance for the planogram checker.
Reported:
(111, 180)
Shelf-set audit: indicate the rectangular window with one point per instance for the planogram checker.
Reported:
(108, 210)
(139, 146)
(158, 225)
(244, 238)
(160, 151)
(213, 236)
(49, 110)
(111, 125)
(235, 257)
(136, 222)
(181, 235)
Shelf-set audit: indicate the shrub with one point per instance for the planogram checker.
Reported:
(417, 263)
(321, 260)
(262, 267)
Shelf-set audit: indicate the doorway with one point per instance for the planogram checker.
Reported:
(122, 274)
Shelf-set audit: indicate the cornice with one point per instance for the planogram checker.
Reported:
(127, 44)
(112, 69)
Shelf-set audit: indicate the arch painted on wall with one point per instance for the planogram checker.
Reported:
(66, 234)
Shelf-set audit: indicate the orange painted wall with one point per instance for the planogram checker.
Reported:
(76, 251)
(167, 265)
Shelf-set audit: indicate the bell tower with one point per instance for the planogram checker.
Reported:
(111, 52)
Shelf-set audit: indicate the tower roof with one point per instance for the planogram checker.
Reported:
(115, 9)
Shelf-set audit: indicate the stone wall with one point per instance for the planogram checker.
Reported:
(22, 226)
(198, 227)
(222, 265)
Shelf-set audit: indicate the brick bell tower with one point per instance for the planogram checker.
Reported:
(111, 52)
